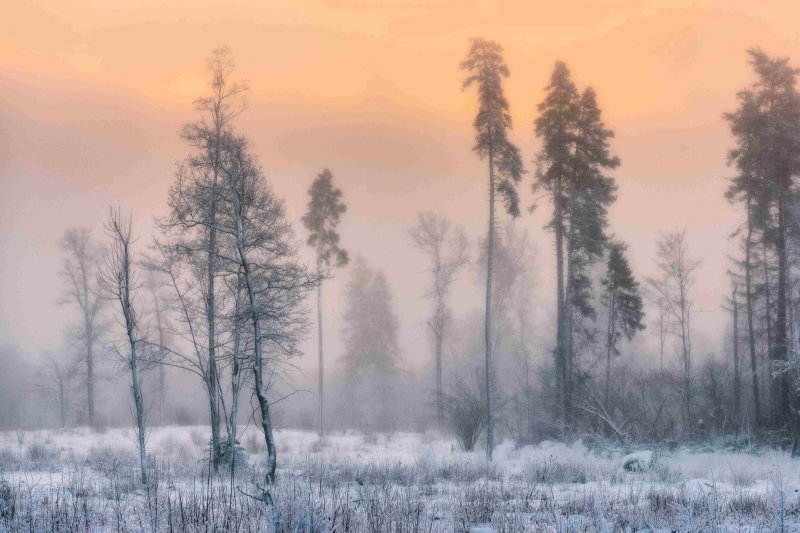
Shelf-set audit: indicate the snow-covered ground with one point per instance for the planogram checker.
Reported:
(87, 480)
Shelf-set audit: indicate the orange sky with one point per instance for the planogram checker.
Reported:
(92, 94)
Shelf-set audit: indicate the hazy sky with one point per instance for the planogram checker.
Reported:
(92, 94)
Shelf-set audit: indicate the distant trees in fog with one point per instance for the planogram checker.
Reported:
(677, 276)
(372, 395)
(226, 290)
(325, 208)
(80, 275)
(446, 247)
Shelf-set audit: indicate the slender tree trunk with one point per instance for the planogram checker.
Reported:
(488, 322)
(258, 364)
(781, 384)
(686, 355)
(88, 321)
(736, 373)
(139, 406)
(560, 367)
(750, 328)
(568, 313)
(321, 367)
(235, 370)
(162, 381)
(90, 372)
(768, 391)
(211, 313)
(610, 344)
(212, 349)
(62, 398)
(439, 391)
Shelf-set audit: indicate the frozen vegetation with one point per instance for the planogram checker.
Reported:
(82, 480)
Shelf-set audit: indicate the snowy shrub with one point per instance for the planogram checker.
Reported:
(553, 471)
(8, 502)
(9, 460)
(465, 409)
(41, 455)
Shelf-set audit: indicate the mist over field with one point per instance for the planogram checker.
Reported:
(368, 266)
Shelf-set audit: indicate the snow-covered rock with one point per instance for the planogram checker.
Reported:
(638, 461)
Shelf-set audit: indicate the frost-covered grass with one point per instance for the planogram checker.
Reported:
(84, 480)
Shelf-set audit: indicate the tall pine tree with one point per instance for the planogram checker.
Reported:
(486, 69)
(766, 127)
(325, 208)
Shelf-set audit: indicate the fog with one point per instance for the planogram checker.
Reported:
(86, 122)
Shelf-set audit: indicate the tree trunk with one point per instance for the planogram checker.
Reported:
(88, 322)
(211, 296)
(90, 372)
(62, 398)
(439, 391)
(686, 356)
(610, 345)
(768, 316)
(750, 327)
(736, 374)
(781, 382)
(139, 405)
(212, 357)
(162, 385)
(321, 368)
(261, 393)
(235, 369)
(559, 355)
(488, 321)
(568, 313)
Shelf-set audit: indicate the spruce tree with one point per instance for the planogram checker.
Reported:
(623, 302)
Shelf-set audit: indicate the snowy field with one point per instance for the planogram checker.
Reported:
(81, 480)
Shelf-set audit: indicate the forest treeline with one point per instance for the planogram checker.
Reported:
(222, 294)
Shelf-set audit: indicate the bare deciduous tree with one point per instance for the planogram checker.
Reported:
(120, 280)
(677, 268)
(58, 373)
(446, 247)
(191, 226)
(260, 247)
(80, 273)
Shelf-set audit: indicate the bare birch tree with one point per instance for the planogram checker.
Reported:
(191, 225)
(259, 245)
(121, 282)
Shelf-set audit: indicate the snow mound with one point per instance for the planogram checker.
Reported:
(638, 461)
